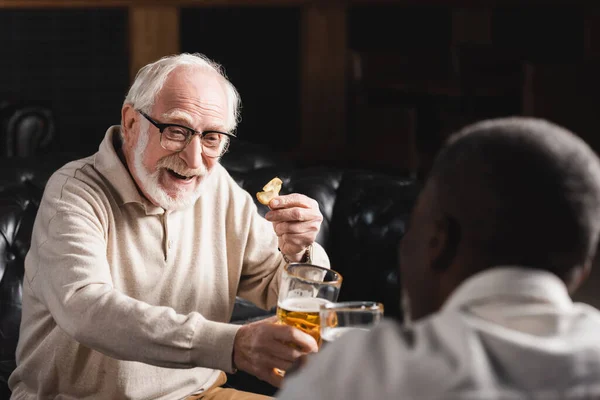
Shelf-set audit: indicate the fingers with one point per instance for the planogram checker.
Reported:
(269, 362)
(293, 200)
(270, 320)
(273, 378)
(268, 374)
(262, 346)
(296, 220)
(297, 365)
(291, 244)
(301, 340)
(286, 352)
(294, 245)
(295, 237)
(282, 228)
(294, 214)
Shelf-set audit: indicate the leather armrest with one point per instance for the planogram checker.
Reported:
(245, 311)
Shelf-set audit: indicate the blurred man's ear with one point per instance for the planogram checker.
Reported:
(578, 276)
(444, 243)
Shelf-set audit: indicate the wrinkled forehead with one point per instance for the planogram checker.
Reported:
(192, 90)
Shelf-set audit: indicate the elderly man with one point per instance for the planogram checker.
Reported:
(139, 251)
(506, 225)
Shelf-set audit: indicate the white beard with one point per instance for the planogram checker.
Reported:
(150, 183)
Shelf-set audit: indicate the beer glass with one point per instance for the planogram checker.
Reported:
(304, 288)
(339, 318)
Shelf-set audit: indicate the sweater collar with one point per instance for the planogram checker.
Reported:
(511, 282)
(108, 163)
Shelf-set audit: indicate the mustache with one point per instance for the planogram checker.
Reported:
(176, 164)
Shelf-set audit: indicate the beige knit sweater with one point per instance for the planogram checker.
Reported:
(122, 300)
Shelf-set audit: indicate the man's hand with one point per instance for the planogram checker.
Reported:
(261, 346)
(296, 219)
(297, 365)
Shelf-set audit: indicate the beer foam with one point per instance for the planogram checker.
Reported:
(303, 304)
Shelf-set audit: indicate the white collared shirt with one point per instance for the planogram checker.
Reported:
(506, 333)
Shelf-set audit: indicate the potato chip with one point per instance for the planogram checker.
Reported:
(270, 190)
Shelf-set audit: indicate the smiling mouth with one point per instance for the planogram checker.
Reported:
(180, 177)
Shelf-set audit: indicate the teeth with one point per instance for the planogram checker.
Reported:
(179, 175)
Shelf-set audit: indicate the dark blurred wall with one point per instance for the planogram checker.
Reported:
(73, 61)
(260, 49)
(422, 72)
(415, 73)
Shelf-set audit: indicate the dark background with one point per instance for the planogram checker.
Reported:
(424, 72)
(415, 73)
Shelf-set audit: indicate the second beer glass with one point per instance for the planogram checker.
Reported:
(304, 288)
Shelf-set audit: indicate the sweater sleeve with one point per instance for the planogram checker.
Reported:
(70, 274)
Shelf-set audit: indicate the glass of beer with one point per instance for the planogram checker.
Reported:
(339, 318)
(304, 288)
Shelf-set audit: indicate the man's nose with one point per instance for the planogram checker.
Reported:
(192, 154)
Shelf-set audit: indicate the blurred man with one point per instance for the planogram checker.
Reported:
(506, 225)
(139, 251)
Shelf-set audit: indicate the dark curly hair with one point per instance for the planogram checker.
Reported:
(523, 191)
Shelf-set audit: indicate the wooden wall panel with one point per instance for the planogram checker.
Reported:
(592, 33)
(323, 77)
(153, 33)
(472, 26)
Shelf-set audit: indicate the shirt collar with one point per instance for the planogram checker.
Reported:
(108, 163)
(510, 281)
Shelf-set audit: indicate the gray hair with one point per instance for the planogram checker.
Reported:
(150, 79)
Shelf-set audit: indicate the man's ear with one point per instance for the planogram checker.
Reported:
(444, 242)
(578, 276)
(128, 118)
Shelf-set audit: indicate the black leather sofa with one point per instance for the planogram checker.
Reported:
(365, 215)
(26, 129)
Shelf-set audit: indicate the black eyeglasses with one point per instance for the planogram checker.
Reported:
(175, 137)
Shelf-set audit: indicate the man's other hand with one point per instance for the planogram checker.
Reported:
(297, 365)
(262, 346)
